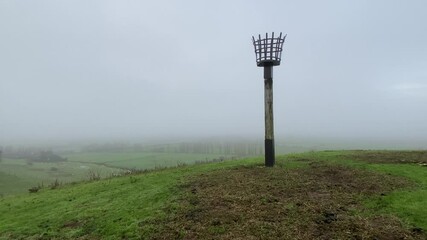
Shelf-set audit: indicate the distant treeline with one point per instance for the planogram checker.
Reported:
(227, 148)
(30, 154)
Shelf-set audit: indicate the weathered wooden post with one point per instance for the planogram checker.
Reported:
(268, 52)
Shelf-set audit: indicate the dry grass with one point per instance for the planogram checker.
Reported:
(318, 202)
(419, 157)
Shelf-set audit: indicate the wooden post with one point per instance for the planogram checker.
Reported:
(269, 127)
(268, 53)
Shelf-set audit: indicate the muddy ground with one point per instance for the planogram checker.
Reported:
(318, 202)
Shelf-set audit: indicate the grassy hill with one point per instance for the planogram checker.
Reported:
(316, 195)
(18, 175)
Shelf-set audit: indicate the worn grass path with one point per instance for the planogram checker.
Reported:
(316, 195)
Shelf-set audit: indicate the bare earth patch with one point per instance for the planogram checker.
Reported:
(318, 202)
(419, 157)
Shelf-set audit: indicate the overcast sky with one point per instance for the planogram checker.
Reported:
(108, 69)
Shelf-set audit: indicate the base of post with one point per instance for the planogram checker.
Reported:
(269, 153)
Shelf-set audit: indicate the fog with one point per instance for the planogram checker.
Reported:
(156, 69)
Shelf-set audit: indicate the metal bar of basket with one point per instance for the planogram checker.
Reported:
(260, 49)
(271, 47)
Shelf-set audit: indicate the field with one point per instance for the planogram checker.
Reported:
(142, 160)
(17, 176)
(315, 195)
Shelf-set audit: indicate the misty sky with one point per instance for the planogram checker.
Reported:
(84, 69)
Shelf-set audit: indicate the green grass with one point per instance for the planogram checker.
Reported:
(16, 176)
(142, 160)
(123, 207)
(110, 209)
(410, 204)
(11, 184)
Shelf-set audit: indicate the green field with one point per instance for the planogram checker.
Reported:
(17, 176)
(316, 195)
(142, 160)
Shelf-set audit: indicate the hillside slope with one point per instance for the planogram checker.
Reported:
(317, 195)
